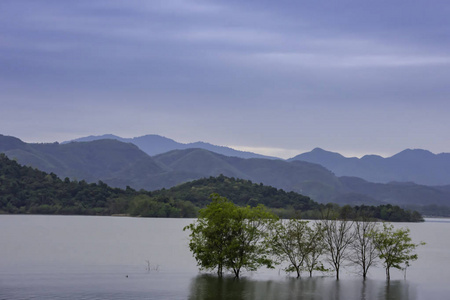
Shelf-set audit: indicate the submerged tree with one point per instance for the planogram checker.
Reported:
(317, 248)
(338, 236)
(395, 248)
(297, 243)
(248, 245)
(211, 234)
(228, 237)
(364, 249)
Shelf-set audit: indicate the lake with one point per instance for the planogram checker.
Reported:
(83, 257)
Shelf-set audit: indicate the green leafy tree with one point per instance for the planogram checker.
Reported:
(248, 248)
(395, 248)
(297, 243)
(211, 234)
(229, 237)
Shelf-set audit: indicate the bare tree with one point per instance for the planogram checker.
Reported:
(317, 248)
(364, 249)
(297, 243)
(338, 236)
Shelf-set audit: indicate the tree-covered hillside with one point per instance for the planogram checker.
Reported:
(27, 190)
(121, 164)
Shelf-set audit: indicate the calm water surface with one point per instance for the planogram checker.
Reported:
(78, 257)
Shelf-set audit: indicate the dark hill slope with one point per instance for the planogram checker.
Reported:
(398, 193)
(123, 164)
(239, 191)
(90, 161)
(302, 177)
(27, 190)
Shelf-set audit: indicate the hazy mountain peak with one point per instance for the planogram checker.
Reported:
(318, 150)
(410, 165)
(91, 138)
(317, 155)
(414, 154)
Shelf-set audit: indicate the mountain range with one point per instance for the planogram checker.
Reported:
(154, 144)
(124, 164)
(411, 165)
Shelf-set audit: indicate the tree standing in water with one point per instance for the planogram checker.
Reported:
(395, 248)
(296, 242)
(338, 236)
(229, 237)
(364, 248)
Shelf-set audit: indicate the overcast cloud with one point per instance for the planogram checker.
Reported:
(276, 77)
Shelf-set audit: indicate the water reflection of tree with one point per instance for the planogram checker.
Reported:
(398, 289)
(209, 287)
(212, 287)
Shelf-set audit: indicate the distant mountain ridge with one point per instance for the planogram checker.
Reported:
(411, 165)
(122, 164)
(91, 161)
(153, 144)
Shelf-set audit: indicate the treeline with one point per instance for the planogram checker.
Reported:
(232, 238)
(25, 190)
(284, 204)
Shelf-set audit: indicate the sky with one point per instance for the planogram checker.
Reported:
(273, 77)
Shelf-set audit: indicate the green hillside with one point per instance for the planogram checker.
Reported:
(27, 190)
(90, 161)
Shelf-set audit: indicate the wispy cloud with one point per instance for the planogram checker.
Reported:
(313, 60)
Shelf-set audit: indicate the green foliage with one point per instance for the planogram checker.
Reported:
(299, 244)
(239, 191)
(27, 190)
(229, 237)
(395, 248)
(388, 212)
(145, 206)
(284, 204)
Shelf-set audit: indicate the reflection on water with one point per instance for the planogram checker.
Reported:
(206, 286)
(77, 257)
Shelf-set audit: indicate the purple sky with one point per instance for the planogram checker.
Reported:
(274, 77)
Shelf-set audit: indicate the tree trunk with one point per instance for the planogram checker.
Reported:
(236, 272)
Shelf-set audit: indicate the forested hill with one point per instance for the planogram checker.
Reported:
(282, 203)
(239, 191)
(27, 190)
